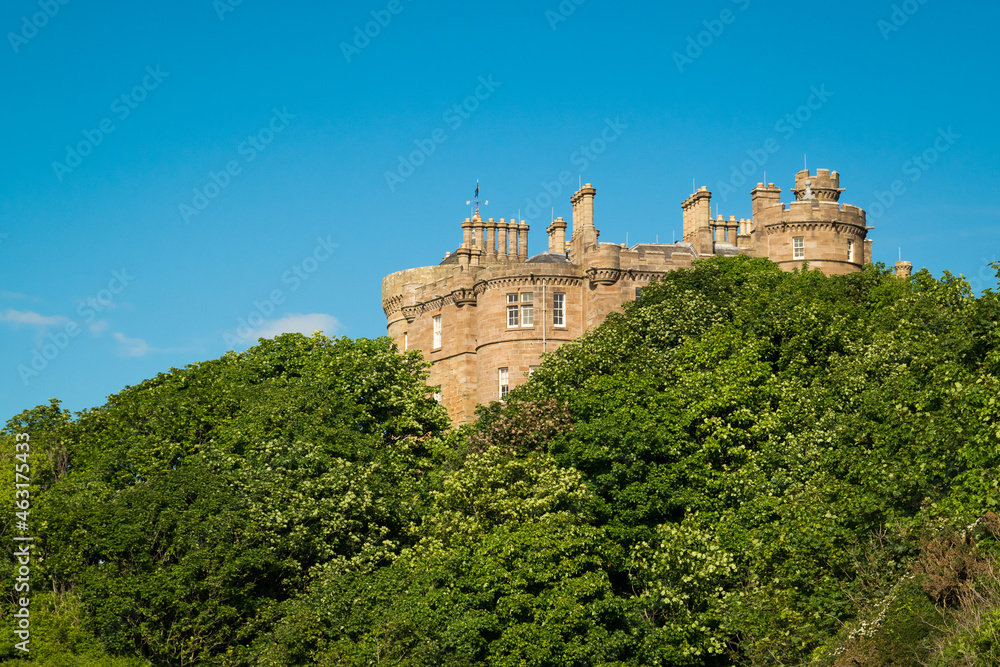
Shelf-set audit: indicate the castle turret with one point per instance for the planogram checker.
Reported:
(825, 185)
(814, 229)
(904, 269)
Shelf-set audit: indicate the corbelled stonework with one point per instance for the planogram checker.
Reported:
(497, 311)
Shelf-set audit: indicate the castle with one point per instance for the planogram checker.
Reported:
(486, 314)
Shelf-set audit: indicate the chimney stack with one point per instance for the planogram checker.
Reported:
(557, 236)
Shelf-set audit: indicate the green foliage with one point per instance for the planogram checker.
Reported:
(899, 631)
(532, 594)
(681, 581)
(506, 572)
(60, 638)
(746, 466)
(795, 415)
(191, 505)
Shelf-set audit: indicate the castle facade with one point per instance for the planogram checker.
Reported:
(486, 314)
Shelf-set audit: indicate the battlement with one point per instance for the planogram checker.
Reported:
(824, 185)
(814, 211)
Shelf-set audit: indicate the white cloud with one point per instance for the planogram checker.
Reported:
(303, 324)
(12, 295)
(132, 347)
(34, 319)
(98, 327)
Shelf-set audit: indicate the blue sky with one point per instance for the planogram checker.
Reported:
(174, 170)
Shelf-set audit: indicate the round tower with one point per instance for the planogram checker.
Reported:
(815, 228)
(825, 185)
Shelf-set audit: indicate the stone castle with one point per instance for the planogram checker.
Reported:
(486, 314)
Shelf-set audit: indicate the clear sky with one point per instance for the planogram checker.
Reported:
(173, 169)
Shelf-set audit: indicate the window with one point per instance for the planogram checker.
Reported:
(437, 394)
(798, 248)
(559, 309)
(638, 293)
(531, 370)
(527, 309)
(512, 318)
(850, 251)
(406, 342)
(504, 383)
(437, 331)
(520, 310)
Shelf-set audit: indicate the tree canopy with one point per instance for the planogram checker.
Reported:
(745, 467)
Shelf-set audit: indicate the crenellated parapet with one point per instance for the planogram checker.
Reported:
(603, 276)
(824, 185)
(411, 312)
(815, 212)
(464, 297)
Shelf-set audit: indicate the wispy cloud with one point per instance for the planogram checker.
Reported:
(138, 347)
(303, 324)
(132, 347)
(34, 319)
(12, 295)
